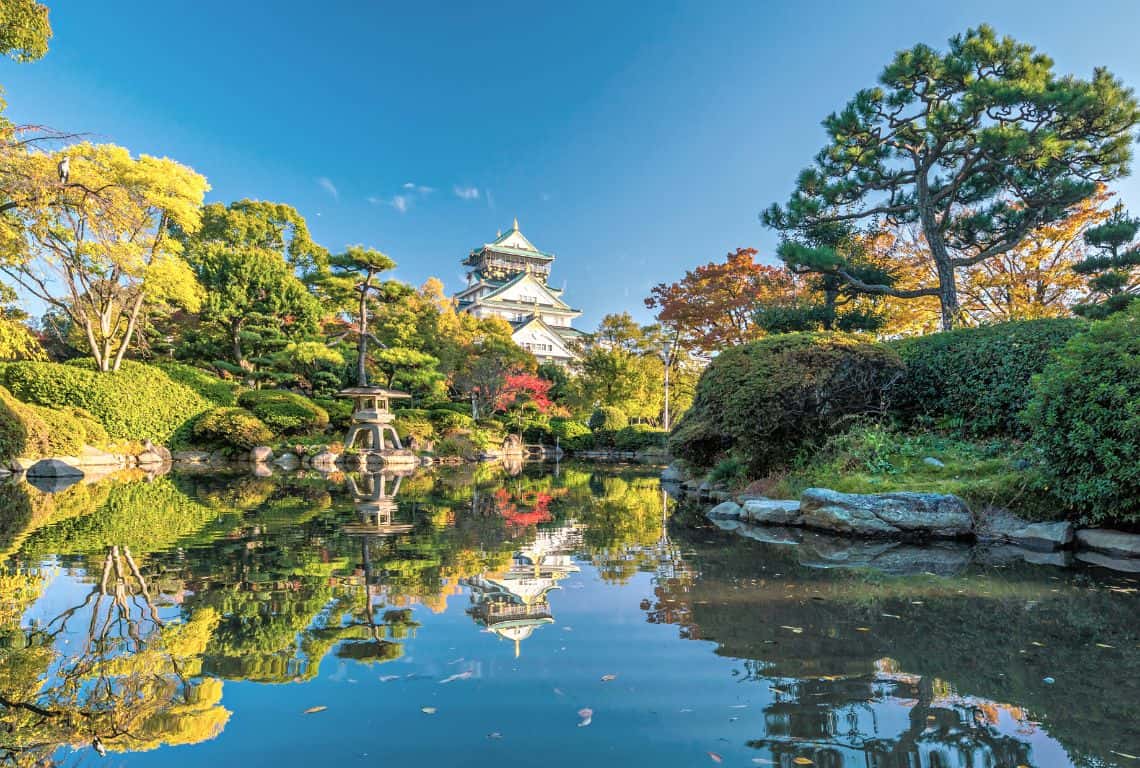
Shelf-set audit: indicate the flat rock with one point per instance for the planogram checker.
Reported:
(1122, 564)
(261, 453)
(999, 525)
(898, 514)
(93, 457)
(777, 535)
(1003, 554)
(893, 557)
(150, 458)
(287, 461)
(772, 511)
(1109, 542)
(62, 466)
(726, 509)
(324, 461)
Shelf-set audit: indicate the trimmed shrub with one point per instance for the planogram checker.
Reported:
(206, 384)
(284, 412)
(1085, 418)
(339, 410)
(567, 429)
(446, 420)
(232, 427)
(639, 437)
(769, 400)
(137, 402)
(975, 381)
(412, 422)
(608, 419)
(34, 432)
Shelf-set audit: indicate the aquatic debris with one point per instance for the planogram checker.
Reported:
(739, 706)
(388, 678)
(558, 692)
(802, 761)
(608, 678)
(494, 735)
(428, 710)
(763, 761)
(1048, 680)
(456, 676)
(862, 629)
(1104, 645)
(312, 710)
(715, 757)
(891, 616)
(1125, 755)
(587, 716)
(796, 630)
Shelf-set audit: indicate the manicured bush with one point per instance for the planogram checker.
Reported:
(446, 420)
(414, 423)
(339, 410)
(975, 381)
(639, 437)
(1085, 418)
(231, 427)
(608, 419)
(137, 402)
(33, 432)
(206, 384)
(567, 429)
(283, 411)
(769, 400)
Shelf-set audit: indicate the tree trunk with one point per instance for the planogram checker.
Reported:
(362, 341)
(947, 288)
(132, 323)
(235, 339)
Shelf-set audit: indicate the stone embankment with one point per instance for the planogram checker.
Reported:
(909, 518)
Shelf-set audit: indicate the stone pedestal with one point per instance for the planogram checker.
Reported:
(372, 429)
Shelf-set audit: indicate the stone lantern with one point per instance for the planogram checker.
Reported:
(372, 419)
(375, 503)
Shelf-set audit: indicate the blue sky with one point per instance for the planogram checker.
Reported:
(634, 140)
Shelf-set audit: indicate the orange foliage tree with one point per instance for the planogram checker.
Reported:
(713, 305)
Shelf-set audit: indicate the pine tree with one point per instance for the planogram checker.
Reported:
(1114, 271)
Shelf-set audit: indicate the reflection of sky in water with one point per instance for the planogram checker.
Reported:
(514, 695)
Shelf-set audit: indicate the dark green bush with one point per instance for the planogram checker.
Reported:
(639, 437)
(580, 442)
(446, 420)
(231, 427)
(566, 429)
(975, 381)
(768, 400)
(339, 410)
(138, 402)
(283, 411)
(412, 422)
(608, 419)
(206, 384)
(1085, 418)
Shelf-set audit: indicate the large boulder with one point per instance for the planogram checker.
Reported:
(900, 514)
(672, 474)
(1002, 526)
(772, 511)
(726, 509)
(63, 466)
(1114, 543)
(261, 453)
(325, 461)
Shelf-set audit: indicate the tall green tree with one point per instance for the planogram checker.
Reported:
(354, 280)
(1113, 271)
(253, 258)
(976, 146)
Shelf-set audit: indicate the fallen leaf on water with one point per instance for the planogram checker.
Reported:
(763, 761)
(1124, 755)
(715, 757)
(608, 678)
(892, 616)
(802, 761)
(311, 710)
(1039, 645)
(1104, 645)
(587, 716)
(428, 710)
(862, 629)
(797, 630)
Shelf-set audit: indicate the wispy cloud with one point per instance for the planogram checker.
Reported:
(466, 193)
(490, 198)
(400, 203)
(419, 189)
(327, 185)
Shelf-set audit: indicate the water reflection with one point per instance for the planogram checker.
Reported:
(129, 606)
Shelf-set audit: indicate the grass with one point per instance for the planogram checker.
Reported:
(875, 459)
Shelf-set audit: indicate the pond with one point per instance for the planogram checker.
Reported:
(565, 616)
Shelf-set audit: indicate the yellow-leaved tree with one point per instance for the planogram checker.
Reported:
(94, 239)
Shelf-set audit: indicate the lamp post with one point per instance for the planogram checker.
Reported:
(666, 352)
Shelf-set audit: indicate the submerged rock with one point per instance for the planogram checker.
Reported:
(886, 514)
(1114, 543)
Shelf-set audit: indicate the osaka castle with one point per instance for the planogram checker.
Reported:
(509, 278)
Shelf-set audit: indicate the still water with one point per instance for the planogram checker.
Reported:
(567, 618)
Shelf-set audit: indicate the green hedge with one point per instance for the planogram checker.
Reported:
(137, 402)
(975, 381)
(446, 420)
(284, 412)
(206, 384)
(608, 418)
(767, 401)
(231, 427)
(1085, 418)
(639, 437)
(339, 410)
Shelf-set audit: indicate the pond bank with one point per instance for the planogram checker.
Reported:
(881, 523)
